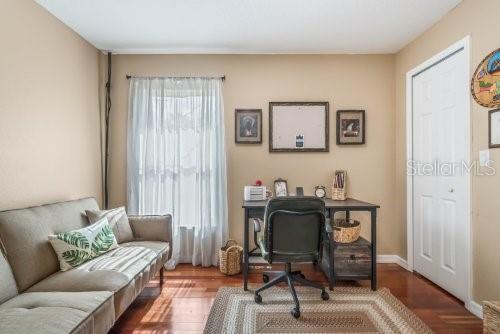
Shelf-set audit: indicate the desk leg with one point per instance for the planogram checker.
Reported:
(374, 248)
(245, 252)
(331, 247)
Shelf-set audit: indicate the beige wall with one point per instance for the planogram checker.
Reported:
(50, 137)
(49, 109)
(252, 81)
(474, 18)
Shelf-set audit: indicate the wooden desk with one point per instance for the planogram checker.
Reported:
(255, 209)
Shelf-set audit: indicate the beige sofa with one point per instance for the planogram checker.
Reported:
(35, 297)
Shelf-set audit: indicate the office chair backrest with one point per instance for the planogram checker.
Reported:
(293, 226)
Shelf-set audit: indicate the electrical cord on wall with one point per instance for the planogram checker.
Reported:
(106, 143)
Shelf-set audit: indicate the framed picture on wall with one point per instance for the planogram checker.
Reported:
(298, 127)
(248, 126)
(494, 128)
(350, 127)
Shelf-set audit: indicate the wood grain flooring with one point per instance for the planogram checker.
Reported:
(183, 303)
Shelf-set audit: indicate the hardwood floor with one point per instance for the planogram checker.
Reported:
(183, 304)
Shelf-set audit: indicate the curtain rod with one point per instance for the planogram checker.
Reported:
(128, 76)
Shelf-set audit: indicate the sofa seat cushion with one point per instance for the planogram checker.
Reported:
(159, 247)
(109, 272)
(58, 312)
(123, 271)
(156, 246)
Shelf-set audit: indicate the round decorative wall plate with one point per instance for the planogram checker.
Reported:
(485, 84)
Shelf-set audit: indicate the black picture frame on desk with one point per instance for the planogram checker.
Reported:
(280, 188)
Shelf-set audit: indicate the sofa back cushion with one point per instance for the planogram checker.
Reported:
(25, 236)
(118, 221)
(8, 288)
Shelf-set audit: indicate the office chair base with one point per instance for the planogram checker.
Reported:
(265, 274)
(295, 312)
(289, 277)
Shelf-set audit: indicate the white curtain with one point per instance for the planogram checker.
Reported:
(176, 162)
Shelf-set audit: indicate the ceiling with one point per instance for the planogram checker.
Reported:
(249, 26)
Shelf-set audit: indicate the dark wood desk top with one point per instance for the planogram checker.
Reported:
(349, 203)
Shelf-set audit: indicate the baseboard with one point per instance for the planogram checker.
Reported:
(392, 259)
(475, 308)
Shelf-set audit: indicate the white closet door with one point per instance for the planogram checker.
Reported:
(440, 189)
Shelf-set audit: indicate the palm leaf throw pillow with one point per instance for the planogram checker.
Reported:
(79, 246)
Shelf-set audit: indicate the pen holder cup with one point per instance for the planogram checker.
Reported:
(338, 194)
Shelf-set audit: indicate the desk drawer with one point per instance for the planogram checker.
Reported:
(351, 260)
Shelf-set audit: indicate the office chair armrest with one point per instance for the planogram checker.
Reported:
(257, 226)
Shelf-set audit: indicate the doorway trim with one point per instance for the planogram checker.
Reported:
(463, 44)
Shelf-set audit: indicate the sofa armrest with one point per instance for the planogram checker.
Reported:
(152, 228)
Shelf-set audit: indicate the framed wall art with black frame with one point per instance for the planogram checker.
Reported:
(248, 126)
(351, 127)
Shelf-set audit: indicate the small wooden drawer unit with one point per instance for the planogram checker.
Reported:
(351, 261)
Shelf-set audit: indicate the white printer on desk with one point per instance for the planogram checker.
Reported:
(254, 193)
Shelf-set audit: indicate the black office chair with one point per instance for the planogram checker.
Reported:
(292, 233)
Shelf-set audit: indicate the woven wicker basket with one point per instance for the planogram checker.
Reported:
(346, 231)
(338, 194)
(491, 317)
(230, 258)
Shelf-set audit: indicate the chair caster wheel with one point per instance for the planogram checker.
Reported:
(325, 295)
(295, 312)
(265, 278)
(257, 298)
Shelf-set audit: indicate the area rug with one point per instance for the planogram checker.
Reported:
(349, 310)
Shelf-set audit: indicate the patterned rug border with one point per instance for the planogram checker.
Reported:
(215, 319)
